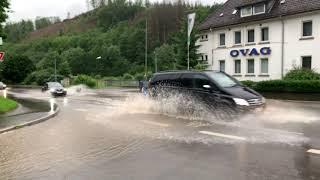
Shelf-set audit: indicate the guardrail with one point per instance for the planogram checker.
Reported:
(25, 86)
(121, 83)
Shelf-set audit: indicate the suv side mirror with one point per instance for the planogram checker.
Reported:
(206, 86)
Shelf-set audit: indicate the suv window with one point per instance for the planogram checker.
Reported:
(199, 81)
(196, 81)
(167, 80)
(187, 80)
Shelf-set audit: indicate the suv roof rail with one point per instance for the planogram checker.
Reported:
(192, 70)
(174, 71)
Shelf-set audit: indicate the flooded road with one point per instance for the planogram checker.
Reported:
(118, 134)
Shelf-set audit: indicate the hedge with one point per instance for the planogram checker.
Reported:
(297, 86)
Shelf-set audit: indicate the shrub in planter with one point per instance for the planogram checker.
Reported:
(302, 74)
(250, 84)
(299, 86)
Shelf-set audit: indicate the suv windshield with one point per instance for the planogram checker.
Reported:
(222, 79)
(54, 85)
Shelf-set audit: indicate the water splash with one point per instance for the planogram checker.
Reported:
(79, 90)
(129, 114)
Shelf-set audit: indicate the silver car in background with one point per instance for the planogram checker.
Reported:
(2, 86)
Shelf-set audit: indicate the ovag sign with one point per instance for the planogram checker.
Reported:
(251, 52)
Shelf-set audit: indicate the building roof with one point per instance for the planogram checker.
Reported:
(225, 17)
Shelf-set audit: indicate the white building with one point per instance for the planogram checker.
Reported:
(262, 39)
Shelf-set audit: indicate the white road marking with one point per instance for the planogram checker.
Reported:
(155, 123)
(313, 151)
(223, 135)
(81, 110)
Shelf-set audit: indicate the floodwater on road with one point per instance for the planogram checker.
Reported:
(117, 134)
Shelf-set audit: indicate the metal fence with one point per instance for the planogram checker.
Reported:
(122, 83)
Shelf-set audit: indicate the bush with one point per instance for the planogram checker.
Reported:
(112, 78)
(127, 76)
(302, 74)
(17, 68)
(84, 79)
(139, 76)
(298, 86)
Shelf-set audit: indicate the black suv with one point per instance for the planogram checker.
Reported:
(213, 88)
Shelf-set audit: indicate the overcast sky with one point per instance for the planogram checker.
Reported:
(30, 9)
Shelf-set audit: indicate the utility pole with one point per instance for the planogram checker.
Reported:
(188, 56)
(146, 53)
(191, 19)
(155, 62)
(55, 70)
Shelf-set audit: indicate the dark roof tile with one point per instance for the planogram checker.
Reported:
(274, 9)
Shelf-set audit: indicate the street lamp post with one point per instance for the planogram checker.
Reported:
(146, 51)
(97, 58)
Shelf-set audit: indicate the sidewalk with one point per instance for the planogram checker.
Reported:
(29, 112)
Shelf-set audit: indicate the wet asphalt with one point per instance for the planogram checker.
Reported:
(119, 134)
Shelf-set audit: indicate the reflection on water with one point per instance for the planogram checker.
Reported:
(5, 93)
(52, 101)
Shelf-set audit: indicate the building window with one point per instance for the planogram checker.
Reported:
(259, 9)
(222, 39)
(265, 34)
(246, 11)
(250, 35)
(237, 37)
(307, 62)
(250, 68)
(222, 64)
(253, 10)
(307, 29)
(264, 66)
(204, 38)
(204, 58)
(237, 66)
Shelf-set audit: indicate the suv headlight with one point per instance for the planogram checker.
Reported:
(241, 102)
(52, 90)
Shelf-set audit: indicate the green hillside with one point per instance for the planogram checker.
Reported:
(115, 32)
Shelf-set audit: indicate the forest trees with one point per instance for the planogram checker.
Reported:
(4, 5)
(18, 31)
(42, 22)
(17, 69)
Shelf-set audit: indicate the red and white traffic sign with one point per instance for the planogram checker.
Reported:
(1, 56)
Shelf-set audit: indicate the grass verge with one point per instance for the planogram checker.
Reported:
(7, 105)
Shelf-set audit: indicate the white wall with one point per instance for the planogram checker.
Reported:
(294, 48)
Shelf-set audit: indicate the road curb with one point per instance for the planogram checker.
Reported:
(30, 123)
(295, 101)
